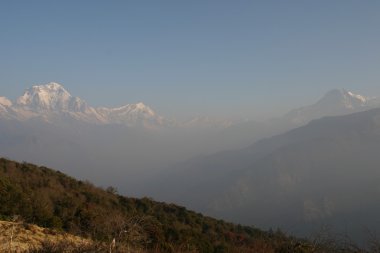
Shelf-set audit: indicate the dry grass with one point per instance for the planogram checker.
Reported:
(18, 237)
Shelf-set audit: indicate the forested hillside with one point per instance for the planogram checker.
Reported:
(53, 200)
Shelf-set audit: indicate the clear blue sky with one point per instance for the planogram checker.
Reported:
(247, 58)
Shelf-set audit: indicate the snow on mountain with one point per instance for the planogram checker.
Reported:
(51, 96)
(5, 102)
(343, 99)
(131, 115)
(333, 103)
(53, 103)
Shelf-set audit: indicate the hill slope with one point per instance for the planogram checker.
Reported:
(23, 237)
(53, 200)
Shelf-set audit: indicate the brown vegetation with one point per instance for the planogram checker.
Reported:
(22, 237)
(114, 223)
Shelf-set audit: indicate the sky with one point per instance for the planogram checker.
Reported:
(250, 59)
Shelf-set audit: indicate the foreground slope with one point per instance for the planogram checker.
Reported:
(51, 199)
(27, 237)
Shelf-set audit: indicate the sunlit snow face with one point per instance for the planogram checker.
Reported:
(51, 101)
(51, 96)
(5, 101)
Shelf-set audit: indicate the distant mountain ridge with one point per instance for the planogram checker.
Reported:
(334, 102)
(48, 125)
(326, 172)
(52, 101)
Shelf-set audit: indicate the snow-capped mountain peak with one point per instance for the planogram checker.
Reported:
(359, 97)
(51, 96)
(334, 102)
(343, 98)
(141, 108)
(5, 101)
(132, 114)
(53, 103)
(5, 105)
(52, 86)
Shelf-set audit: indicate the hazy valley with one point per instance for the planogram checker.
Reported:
(291, 163)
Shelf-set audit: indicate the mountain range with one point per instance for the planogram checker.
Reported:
(94, 137)
(333, 103)
(317, 163)
(326, 172)
(53, 103)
